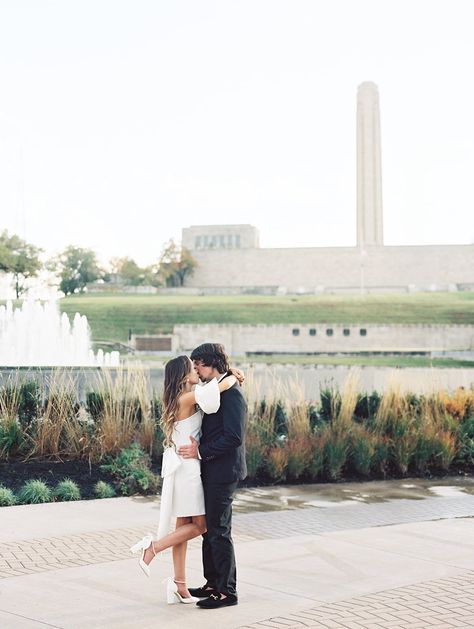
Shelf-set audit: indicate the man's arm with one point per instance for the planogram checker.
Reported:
(233, 409)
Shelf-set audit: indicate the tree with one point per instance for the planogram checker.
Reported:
(19, 258)
(130, 272)
(176, 264)
(76, 268)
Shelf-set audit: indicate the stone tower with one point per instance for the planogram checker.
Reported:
(369, 167)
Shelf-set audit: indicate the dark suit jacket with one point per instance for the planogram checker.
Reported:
(222, 446)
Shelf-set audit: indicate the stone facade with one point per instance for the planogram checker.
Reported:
(319, 269)
(222, 237)
(320, 338)
(368, 267)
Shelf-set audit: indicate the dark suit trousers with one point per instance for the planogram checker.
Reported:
(217, 548)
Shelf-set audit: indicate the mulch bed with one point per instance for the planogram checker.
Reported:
(14, 473)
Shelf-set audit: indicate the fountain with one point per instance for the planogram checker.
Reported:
(38, 335)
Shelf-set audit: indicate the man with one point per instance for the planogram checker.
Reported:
(222, 454)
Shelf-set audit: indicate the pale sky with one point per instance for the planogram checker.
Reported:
(123, 121)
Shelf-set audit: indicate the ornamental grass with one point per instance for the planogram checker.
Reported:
(346, 433)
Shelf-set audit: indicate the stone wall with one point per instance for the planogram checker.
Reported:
(289, 382)
(430, 267)
(326, 338)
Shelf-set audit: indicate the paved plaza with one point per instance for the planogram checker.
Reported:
(370, 555)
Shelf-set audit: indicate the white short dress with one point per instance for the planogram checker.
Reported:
(182, 494)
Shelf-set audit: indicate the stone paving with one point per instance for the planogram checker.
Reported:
(442, 603)
(294, 579)
(43, 554)
(312, 521)
(55, 553)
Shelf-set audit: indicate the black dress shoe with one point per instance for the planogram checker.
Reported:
(215, 601)
(203, 592)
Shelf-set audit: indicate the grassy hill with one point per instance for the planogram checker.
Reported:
(111, 316)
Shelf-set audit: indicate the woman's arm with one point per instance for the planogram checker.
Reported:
(226, 383)
(188, 400)
(238, 374)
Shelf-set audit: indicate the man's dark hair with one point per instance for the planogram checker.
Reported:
(212, 355)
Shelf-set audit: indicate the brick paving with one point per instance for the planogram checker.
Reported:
(440, 603)
(40, 555)
(437, 604)
(355, 515)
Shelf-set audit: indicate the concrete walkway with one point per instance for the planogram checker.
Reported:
(399, 563)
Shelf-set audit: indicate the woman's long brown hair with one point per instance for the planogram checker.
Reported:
(176, 374)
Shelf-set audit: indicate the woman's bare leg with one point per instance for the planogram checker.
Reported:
(193, 527)
(179, 560)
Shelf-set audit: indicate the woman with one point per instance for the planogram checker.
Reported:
(182, 493)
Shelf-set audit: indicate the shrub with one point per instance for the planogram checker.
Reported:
(157, 449)
(465, 454)
(445, 449)
(156, 408)
(460, 404)
(104, 490)
(156, 411)
(126, 404)
(403, 447)
(95, 404)
(316, 457)
(131, 468)
(30, 403)
(315, 421)
(381, 456)
(34, 492)
(10, 400)
(336, 450)
(330, 404)
(299, 455)
(7, 497)
(11, 438)
(393, 407)
(424, 448)
(264, 419)
(276, 462)
(281, 419)
(67, 490)
(298, 421)
(146, 431)
(57, 430)
(254, 452)
(362, 450)
(11, 434)
(367, 406)
(396, 419)
(336, 447)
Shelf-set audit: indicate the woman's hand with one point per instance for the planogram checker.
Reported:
(238, 374)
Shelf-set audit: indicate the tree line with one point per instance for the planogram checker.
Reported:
(76, 267)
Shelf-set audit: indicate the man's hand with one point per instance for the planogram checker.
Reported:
(189, 452)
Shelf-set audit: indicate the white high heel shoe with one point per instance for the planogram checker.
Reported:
(143, 545)
(173, 596)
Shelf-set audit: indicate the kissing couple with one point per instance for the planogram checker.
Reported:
(203, 421)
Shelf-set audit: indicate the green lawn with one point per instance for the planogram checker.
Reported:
(111, 316)
(360, 360)
(151, 360)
